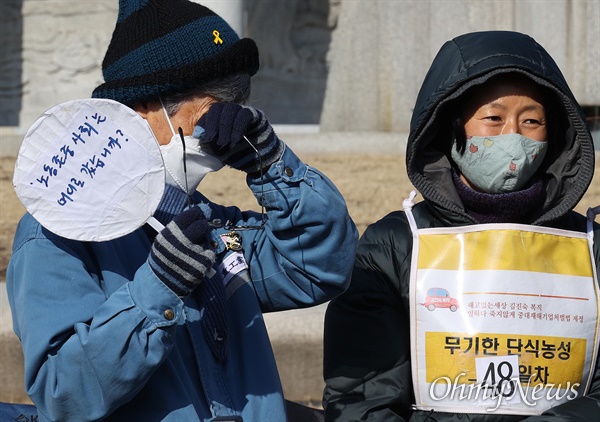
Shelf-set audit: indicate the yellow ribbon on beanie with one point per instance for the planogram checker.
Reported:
(217, 39)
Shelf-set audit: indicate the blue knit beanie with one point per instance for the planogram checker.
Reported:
(161, 47)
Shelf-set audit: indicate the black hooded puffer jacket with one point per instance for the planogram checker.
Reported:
(367, 366)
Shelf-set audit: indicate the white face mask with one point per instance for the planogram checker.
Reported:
(499, 164)
(198, 163)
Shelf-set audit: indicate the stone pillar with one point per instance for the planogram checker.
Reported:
(11, 35)
(374, 52)
(293, 38)
(381, 50)
(63, 46)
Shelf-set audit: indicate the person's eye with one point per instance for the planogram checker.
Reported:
(533, 122)
(493, 118)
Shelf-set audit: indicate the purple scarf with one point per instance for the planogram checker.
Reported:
(511, 207)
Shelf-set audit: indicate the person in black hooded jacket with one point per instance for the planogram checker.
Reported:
(483, 90)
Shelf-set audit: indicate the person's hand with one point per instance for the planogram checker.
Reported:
(226, 124)
(182, 253)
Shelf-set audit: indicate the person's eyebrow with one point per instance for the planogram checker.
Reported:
(497, 105)
(493, 105)
(534, 107)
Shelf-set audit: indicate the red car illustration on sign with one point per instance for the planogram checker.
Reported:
(439, 298)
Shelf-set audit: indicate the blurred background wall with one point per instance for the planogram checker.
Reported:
(339, 65)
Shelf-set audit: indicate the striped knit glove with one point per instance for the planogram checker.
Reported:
(182, 254)
(225, 125)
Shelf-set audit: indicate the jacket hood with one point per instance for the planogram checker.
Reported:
(470, 60)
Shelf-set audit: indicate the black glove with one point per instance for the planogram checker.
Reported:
(182, 253)
(225, 125)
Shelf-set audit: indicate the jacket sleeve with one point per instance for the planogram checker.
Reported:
(84, 354)
(304, 254)
(366, 341)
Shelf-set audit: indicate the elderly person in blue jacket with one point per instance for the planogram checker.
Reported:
(141, 327)
(478, 303)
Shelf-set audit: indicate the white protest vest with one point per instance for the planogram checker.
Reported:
(504, 317)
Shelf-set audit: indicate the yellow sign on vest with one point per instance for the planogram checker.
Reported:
(504, 318)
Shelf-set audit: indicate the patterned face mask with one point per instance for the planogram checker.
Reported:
(499, 164)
